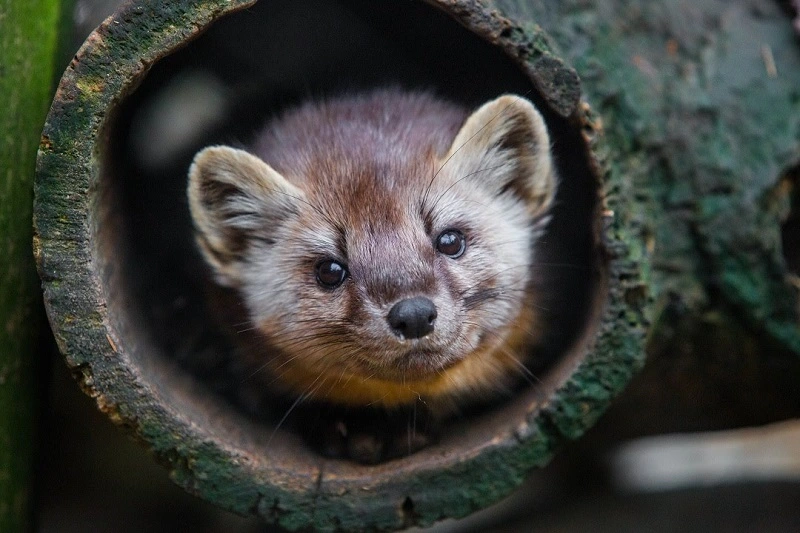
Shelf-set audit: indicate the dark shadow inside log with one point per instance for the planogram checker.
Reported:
(790, 229)
(151, 352)
(236, 79)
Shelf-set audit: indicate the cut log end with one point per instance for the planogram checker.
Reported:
(125, 285)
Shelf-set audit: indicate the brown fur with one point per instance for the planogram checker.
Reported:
(371, 181)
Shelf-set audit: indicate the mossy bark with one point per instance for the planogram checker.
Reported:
(700, 103)
(28, 31)
(700, 106)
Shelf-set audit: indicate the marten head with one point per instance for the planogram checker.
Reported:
(382, 244)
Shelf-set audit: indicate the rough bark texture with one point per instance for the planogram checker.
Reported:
(28, 30)
(701, 110)
(700, 103)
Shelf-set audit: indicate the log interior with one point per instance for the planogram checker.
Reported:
(247, 67)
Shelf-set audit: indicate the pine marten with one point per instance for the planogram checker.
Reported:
(382, 245)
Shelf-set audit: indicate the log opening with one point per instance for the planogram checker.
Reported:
(208, 94)
(124, 283)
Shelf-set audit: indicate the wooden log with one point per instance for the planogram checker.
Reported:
(700, 106)
(28, 31)
(122, 281)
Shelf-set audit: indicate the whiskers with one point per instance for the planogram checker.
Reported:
(308, 393)
(485, 289)
(427, 212)
(520, 367)
(330, 372)
(432, 207)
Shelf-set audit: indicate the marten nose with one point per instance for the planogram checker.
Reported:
(412, 318)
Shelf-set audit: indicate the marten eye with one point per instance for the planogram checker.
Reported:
(451, 243)
(330, 273)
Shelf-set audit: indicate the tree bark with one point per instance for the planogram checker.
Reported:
(701, 112)
(700, 103)
(28, 38)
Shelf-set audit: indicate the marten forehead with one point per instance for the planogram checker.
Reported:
(368, 206)
(383, 138)
(369, 217)
(368, 192)
(360, 172)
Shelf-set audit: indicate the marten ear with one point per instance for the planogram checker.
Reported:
(236, 199)
(504, 145)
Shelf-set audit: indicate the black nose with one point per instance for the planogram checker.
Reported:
(412, 318)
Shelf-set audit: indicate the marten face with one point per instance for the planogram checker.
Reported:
(382, 241)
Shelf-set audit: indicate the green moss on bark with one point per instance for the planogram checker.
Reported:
(701, 109)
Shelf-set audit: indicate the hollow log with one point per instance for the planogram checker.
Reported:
(122, 280)
(28, 31)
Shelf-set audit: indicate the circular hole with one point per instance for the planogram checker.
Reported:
(220, 89)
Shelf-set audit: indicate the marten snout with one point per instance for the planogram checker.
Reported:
(412, 318)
